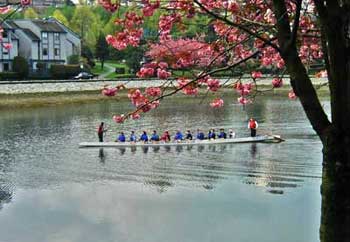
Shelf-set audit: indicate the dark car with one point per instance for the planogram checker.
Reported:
(84, 75)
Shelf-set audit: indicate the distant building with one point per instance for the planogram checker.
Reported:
(44, 41)
(7, 54)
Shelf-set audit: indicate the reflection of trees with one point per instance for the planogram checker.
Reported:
(5, 195)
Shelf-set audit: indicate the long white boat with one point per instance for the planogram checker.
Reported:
(262, 138)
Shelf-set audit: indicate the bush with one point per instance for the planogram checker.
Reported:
(120, 70)
(20, 66)
(4, 76)
(59, 71)
(73, 59)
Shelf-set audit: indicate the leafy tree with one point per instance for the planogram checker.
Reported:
(88, 55)
(101, 50)
(133, 58)
(30, 13)
(57, 14)
(20, 66)
(73, 59)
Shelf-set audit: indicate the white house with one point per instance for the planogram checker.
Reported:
(45, 41)
(9, 38)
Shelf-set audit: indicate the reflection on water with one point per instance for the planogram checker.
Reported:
(215, 191)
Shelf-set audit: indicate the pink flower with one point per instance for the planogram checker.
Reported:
(277, 82)
(110, 92)
(213, 84)
(243, 100)
(135, 116)
(256, 74)
(25, 2)
(163, 74)
(153, 91)
(7, 46)
(163, 65)
(4, 10)
(321, 74)
(292, 95)
(119, 118)
(217, 103)
(145, 72)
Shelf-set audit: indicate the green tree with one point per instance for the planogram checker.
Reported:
(101, 50)
(20, 66)
(57, 14)
(86, 24)
(30, 14)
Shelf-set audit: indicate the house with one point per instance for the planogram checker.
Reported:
(45, 41)
(8, 47)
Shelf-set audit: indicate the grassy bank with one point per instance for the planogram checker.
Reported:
(47, 99)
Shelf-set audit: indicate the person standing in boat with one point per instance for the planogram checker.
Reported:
(100, 131)
(178, 136)
(252, 125)
(165, 136)
(200, 135)
(155, 136)
(222, 134)
(121, 137)
(144, 137)
(189, 135)
(133, 137)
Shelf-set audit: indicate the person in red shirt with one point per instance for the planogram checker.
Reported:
(100, 131)
(252, 125)
(165, 136)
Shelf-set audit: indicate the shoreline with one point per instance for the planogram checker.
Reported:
(26, 100)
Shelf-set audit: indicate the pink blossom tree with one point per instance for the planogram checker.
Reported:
(286, 34)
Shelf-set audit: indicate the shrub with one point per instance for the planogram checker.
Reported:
(59, 71)
(8, 76)
(73, 59)
(20, 66)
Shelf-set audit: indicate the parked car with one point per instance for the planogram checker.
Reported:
(84, 75)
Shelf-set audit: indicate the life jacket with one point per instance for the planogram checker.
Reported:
(100, 129)
(252, 124)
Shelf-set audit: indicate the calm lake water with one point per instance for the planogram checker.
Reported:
(53, 191)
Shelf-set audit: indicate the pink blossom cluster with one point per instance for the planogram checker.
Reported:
(122, 39)
(5, 10)
(213, 84)
(26, 2)
(149, 69)
(149, 7)
(277, 82)
(244, 90)
(292, 95)
(256, 74)
(109, 5)
(166, 23)
(188, 89)
(109, 91)
(142, 102)
(186, 6)
(153, 91)
(217, 103)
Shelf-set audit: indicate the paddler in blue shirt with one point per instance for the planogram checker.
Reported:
(133, 137)
(155, 136)
(144, 137)
(121, 137)
(178, 136)
(200, 135)
(222, 134)
(211, 134)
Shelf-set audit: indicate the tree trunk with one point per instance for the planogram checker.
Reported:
(335, 190)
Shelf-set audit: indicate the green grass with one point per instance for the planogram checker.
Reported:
(114, 64)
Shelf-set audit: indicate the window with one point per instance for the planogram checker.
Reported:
(57, 51)
(56, 37)
(45, 52)
(6, 67)
(44, 36)
(4, 34)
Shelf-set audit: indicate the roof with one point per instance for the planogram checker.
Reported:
(48, 26)
(30, 34)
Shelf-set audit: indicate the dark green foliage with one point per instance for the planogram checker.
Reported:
(20, 66)
(133, 57)
(64, 71)
(102, 50)
(73, 59)
(4, 76)
(87, 54)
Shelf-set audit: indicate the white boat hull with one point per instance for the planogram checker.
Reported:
(263, 138)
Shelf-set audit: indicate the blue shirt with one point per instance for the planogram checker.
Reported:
(133, 138)
(211, 135)
(155, 137)
(200, 136)
(178, 136)
(144, 137)
(121, 138)
(222, 135)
